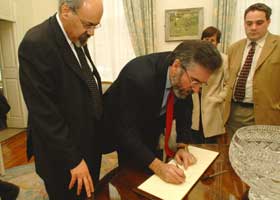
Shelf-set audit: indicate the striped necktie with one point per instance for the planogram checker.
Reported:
(239, 92)
(91, 82)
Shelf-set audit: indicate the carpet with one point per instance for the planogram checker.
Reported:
(30, 184)
(9, 132)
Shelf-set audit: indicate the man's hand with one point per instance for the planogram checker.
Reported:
(81, 175)
(167, 172)
(184, 157)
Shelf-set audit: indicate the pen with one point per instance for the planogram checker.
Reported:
(213, 175)
(177, 165)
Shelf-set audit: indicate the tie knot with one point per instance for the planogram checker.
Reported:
(253, 44)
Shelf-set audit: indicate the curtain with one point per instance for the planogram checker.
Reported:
(225, 16)
(110, 46)
(238, 31)
(139, 16)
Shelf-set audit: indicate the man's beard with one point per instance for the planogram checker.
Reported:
(82, 40)
(175, 82)
(181, 94)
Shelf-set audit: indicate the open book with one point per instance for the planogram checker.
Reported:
(157, 187)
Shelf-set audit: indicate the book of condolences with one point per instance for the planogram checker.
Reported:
(166, 191)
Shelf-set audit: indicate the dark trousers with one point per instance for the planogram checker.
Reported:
(8, 191)
(57, 184)
(197, 137)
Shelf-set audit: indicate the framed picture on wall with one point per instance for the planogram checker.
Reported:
(183, 24)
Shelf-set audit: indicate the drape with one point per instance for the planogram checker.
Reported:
(225, 16)
(140, 20)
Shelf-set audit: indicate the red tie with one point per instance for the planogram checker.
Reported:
(168, 123)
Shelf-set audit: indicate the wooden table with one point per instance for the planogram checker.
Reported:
(222, 187)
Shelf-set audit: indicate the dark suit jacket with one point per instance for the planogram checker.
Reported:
(62, 127)
(133, 103)
(4, 109)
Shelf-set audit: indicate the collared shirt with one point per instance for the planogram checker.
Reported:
(71, 43)
(249, 84)
(166, 93)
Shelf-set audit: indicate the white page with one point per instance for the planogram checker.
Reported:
(166, 191)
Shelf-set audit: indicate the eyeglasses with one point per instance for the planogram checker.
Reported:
(194, 83)
(88, 25)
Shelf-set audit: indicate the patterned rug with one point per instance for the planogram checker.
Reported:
(32, 186)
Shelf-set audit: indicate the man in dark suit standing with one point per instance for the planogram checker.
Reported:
(135, 104)
(62, 90)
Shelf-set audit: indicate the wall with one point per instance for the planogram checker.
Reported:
(162, 5)
(23, 14)
(30, 13)
(43, 9)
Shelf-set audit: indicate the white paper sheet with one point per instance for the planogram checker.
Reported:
(166, 191)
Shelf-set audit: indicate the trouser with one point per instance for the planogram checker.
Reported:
(58, 180)
(8, 191)
(241, 114)
(197, 137)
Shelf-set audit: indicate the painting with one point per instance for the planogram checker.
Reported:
(183, 24)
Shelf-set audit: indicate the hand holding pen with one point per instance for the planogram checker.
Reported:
(168, 172)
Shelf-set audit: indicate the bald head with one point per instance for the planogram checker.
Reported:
(80, 18)
(92, 10)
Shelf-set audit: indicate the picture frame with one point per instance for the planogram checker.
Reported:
(183, 24)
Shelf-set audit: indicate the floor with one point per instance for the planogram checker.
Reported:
(8, 133)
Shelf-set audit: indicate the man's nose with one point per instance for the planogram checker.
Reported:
(90, 32)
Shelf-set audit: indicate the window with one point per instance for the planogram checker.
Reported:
(111, 46)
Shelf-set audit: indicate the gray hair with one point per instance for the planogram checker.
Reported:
(72, 4)
(200, 52)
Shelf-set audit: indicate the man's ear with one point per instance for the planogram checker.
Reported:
(176, 64)
(65, 11)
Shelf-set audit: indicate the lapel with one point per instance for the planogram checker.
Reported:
(66, 51)
(239, 56)
(161, 71)
(269, 46)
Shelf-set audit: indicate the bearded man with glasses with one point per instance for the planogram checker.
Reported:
(135, 106)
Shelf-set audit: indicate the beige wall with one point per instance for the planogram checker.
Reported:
(162, 5)
(34, 12)
(43, 9)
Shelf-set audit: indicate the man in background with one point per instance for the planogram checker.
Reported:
(208, 104)
(4, 109)
(62, 91)
(254, 67)
(137, 105)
